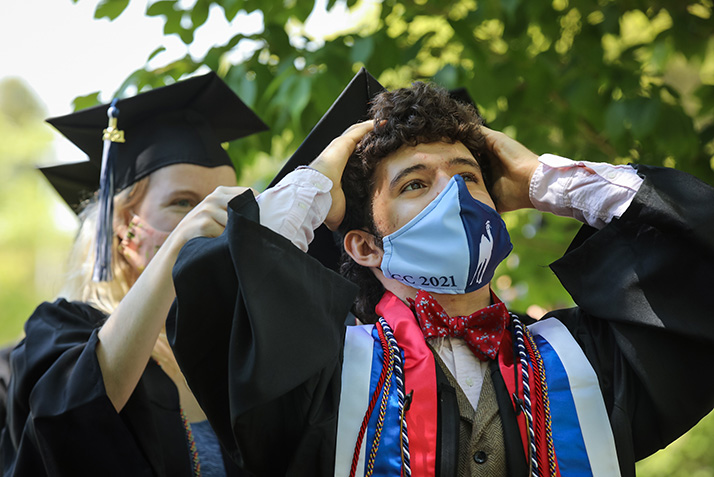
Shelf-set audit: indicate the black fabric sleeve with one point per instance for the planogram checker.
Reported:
(643, 289)
(257, 328)
(60, 421)
(4, 381)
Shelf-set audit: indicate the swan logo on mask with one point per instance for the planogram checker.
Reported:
(453, 246)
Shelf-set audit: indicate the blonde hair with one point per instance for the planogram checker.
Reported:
(78, 285)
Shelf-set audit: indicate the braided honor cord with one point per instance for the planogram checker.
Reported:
(539, 375)
(518, 332)
(399, 379)
(388, 363)
(367, 414)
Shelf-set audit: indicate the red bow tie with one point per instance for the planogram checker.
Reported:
(481, 330)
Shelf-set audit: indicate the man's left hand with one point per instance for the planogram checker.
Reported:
(512, 166)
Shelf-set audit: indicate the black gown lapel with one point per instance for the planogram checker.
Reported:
(516, 459)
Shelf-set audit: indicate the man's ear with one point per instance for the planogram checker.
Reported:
(363, 248)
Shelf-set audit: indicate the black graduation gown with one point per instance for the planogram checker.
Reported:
(4, 380)
(60, 420)
(258, 326)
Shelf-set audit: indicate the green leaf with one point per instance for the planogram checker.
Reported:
(186, 35)
(156, 52)
(643, 114)
(447, 77)
(86, 101)
(110, 9)
(248, 91)
(231, 9)
(510, 7)
(362, 49)
(615, 119)
(172, 23)
(163, 7)
(301, 97)
(199, 13)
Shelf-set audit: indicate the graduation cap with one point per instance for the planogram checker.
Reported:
(349, 108)
(462, 95)
(185, 122)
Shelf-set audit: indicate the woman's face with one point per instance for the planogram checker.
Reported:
(176, 189)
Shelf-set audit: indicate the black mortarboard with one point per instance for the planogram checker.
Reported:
(349, 108)
(461, 94)
(185, 122)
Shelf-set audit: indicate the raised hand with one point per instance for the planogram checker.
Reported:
(512, 166)
(332, 161)
(208, 218)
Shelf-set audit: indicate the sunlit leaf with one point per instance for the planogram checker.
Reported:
(162, 7)
(643, 115)
(86, 101)
(110, 9)
(231, 8)
(362, 50)
(199, 13)
(156, 52)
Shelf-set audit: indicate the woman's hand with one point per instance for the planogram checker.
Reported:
(207, 219)
(512, 167)
(332, 161)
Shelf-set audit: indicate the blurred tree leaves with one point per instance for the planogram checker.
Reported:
(110, 9)
(625, 81)
(32, 246)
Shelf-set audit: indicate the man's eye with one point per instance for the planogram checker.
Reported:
(414, 185)
(469, 177)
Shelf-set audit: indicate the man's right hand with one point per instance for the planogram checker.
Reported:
(332, 161)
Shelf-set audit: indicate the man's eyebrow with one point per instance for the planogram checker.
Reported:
(456, 161)
(465, 161)
(404, 172)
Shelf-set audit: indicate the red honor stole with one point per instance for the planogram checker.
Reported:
(419, 377)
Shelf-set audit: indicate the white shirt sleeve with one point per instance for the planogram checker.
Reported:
(592, 192)
(296, 205)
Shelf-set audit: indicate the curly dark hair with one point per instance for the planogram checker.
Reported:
(421, 113)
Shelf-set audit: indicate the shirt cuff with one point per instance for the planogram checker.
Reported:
(296, 205)
(592, 192)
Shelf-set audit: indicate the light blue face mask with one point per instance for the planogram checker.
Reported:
(453, 246)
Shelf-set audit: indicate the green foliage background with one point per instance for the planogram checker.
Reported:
(600, 80)
(625, 81)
